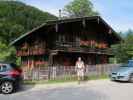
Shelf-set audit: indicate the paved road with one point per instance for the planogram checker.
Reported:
(92, 90)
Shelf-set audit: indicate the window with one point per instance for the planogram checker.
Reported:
(3, 68)
(13, 65)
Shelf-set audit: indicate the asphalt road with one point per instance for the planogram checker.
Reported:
(92, 90)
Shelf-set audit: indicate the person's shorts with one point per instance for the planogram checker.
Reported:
(80, 72)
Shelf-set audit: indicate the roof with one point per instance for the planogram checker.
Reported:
(53, 22)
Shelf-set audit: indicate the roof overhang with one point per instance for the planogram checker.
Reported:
(55, 22)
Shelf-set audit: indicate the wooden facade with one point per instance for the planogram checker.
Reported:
(61, 42)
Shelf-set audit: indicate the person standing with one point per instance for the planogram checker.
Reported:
(80, 69)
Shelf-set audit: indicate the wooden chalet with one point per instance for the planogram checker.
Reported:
(61, 42)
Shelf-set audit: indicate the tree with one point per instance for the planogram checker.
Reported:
(7, 53)
(16, 18)
(79, 8)
(124, 51)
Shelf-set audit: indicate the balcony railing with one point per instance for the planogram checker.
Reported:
(28, 52)
(66, 44)
(75, 47)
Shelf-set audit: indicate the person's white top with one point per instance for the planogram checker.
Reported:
(79, 64)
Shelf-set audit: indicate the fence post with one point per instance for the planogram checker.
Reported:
(97, 70)
(49, 72)
(38, 72)
(53, 72)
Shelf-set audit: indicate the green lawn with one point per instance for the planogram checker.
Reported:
(66, 79)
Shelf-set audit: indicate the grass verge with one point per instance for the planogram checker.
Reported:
(63, 80)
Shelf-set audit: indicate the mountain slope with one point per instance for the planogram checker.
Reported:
(17, 18)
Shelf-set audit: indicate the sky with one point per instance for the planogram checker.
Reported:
(117, 13)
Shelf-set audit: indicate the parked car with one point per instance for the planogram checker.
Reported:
(10, 77)
(123, 73)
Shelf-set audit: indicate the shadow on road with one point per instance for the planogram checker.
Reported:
(121, 82)
(25, 87)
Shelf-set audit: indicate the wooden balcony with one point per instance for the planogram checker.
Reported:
(66, 44)
(28, 52)
(74, 47)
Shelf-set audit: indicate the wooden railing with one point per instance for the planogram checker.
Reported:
(66, 44)
(75, 46)
(38, 51)
(85, 50)
(62, 72)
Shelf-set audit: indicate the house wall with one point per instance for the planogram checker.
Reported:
(33, 52)
(39, 45)
(82, 39)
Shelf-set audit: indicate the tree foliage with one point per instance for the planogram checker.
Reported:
(16, 18)
(124, 51)
(79, 8)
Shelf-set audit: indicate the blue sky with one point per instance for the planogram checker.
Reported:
(117, 13)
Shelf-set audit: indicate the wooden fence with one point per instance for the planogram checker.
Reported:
(67, 72)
